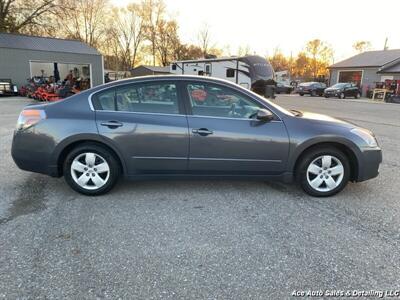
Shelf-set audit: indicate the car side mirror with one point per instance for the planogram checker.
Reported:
(264, 115)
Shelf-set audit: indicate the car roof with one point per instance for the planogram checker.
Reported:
(151, 78)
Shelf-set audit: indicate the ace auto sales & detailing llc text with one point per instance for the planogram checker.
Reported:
(347, 293)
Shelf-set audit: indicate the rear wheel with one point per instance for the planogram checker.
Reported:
(323, 172)
(91, 169)
(301, 94)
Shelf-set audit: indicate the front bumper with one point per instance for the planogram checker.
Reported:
(331, 93)
(368, 164)
(303, 91)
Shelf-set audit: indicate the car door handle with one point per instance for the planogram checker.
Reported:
(202, 131)
(111, 124)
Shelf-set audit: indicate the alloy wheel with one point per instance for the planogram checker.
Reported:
(90, 170)
(325, 173)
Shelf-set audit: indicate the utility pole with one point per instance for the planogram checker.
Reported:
(385, 47)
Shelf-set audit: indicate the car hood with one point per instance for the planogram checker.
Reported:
(320, 118)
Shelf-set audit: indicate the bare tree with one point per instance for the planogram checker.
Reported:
(204, 39)
(167, 41)
(362, 46)
(84, 20)
(17, 15)
(129, 32)
(153, 14)
(244, 50)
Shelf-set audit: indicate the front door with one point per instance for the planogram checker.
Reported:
(226, 139)
(147, 124)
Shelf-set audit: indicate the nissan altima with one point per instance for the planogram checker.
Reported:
(189, 127)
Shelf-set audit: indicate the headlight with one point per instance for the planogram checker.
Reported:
(367, 136)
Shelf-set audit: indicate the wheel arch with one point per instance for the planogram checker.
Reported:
(70, 143)
(346, 148)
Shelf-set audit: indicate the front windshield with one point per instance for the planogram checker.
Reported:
(339, 85)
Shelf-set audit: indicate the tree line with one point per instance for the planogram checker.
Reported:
(142, 33)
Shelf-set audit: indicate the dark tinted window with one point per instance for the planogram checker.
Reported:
(230, 72)
(150, 98)
(219, 101)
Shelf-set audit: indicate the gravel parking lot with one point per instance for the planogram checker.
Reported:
(201, 239)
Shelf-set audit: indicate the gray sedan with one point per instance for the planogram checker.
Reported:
(185, 127)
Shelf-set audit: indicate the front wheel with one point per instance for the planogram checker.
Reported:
(341, 96)
(91, 169)
(323, 172)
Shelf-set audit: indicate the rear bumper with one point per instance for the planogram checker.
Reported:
(32, 154)
(368, 165)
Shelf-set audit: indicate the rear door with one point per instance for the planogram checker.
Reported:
(224, 139)
(146, 121)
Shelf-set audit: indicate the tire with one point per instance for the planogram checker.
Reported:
(313, 93)
(341, 96)
(357, 95)
(301, 94)
(85, 158)
(309, 176)
(326, 96)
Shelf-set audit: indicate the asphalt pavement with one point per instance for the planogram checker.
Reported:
(201, 239)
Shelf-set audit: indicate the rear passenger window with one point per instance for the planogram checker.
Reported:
(104, 100)
(149, 98)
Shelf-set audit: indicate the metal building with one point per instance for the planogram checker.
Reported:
(23, 56)
(367, 68)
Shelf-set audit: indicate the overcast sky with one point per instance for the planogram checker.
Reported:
(288, 24)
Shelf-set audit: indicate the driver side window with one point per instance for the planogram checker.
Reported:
(218, 101)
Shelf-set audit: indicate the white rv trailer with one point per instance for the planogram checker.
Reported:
(245, 70)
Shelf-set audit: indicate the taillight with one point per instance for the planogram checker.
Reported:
(30, 117)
